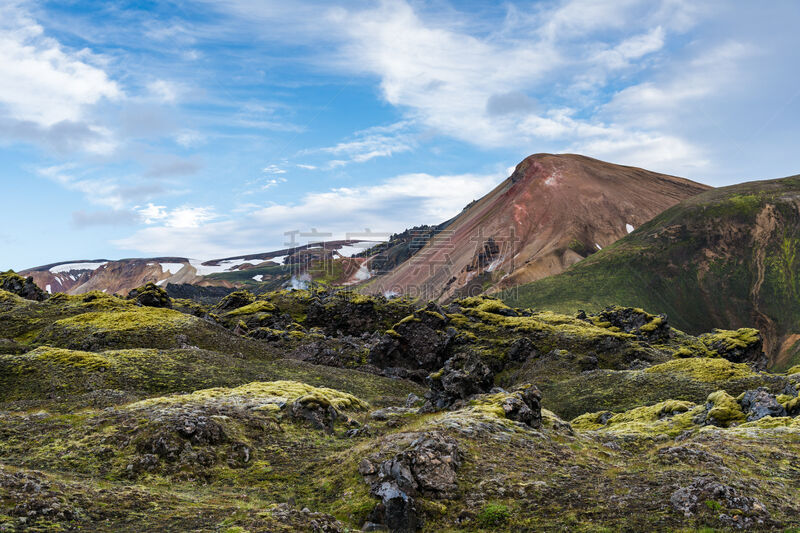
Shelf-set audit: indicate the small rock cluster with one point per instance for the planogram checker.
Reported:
(706, 494)
(427, 468)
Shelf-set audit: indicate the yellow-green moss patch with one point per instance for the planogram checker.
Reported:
(725, 410)
(704, 369)
(280, 390)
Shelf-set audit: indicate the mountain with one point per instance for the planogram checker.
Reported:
(552, 212)
(727, 258)
(324, 260)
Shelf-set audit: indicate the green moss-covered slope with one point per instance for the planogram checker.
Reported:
(727, 258)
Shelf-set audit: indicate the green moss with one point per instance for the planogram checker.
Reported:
(670, 417)
(704, 369)
(724, 409)
(83, 360)
(134, 320)
(493, 515)
(259, 306)
(731, 339)
(652, 325)
(278, 390)
(794, 370)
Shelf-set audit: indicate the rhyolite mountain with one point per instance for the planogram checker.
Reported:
(727, 258)
(328, 260)
(552, 212)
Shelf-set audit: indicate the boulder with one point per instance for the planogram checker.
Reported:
(647, 327)
(321, 415)
(745, 345)
(235, 300)
(150, 295)
(525, 406)
(419, 341)
(759, 403)
(463, 375)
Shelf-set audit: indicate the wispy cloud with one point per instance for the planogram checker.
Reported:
(380, 141)
(395, 203)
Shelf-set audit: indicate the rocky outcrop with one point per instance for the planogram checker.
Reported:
(647, 327)
(427, 468)
(524, 405)
(418, 342)
(759, 403)
(463, 375)
(150, 295)
(745, 345)
(234, 300)
(24, 287)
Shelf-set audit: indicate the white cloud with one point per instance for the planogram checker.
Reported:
(189, 138)
(272, 183)
(164, 91)
(396, 203)
(104, 192)
(380, 141)
(43, 82)
(273, 169)
(306, 167)
(181, 218)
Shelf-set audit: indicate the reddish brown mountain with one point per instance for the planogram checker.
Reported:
(552, 212)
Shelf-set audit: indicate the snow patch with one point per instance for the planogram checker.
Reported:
(351, 250)
(171, 268)
(598, 246)
(258, 277)
(629, 228)
(47, 288)
(223, 266)
(494, 264)
(76, 266)
(160, 283)
(278, 259)
(362, 274)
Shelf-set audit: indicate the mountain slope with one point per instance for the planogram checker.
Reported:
(728, 258)
(329, 260)
(552, 212)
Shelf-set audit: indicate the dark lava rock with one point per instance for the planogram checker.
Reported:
(760, 403)
(204, 295)
(463, 375)
(636, 322)
(732, 510)
(521, 349)
(419, 341)
(525, 405)
(235, 300)
(427, 468)
(750, 349)
(150, 295)
(30, 497)
(12, 282)
(321, 416)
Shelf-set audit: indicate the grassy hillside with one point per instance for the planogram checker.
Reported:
(727, 258)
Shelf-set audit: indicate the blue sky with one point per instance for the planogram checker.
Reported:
(210, 128)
